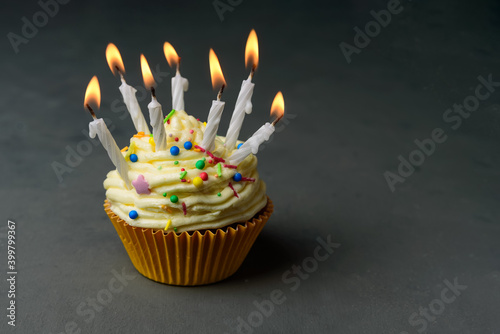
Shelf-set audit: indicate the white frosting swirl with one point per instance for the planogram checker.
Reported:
(204, 208)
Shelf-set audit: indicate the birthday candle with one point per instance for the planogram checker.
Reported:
(179, 84)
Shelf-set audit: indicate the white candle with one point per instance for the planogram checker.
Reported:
(252, 144)
(213, 121)
(130, 100)
(243, 106)
(156, 117)
(179, 86)
(97, 126)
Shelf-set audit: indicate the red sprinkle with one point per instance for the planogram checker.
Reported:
(234, 191)
(200, 148)
(210, 161)
(184, 208)
(247, 179)
(168, 121)
(231, 166)
(183, 180)
(176, 139)
(204, 176)
(216, 159)
(182, 169)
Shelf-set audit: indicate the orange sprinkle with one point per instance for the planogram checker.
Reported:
(124, 149)
(140, 134)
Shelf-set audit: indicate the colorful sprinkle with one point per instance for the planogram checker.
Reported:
(152, 142)
(170, 135)
(200, 164)
(169, 115)
(200, 148)
(166, 208)
(210, 161)
(131, 150)
(174, 150)
(176, 162)
(219, 169)
(182, 169)
(197, 181)
(175, 229)
(141, 185)
(124, 149)
(218, 194)
(176, 138)
(204, 176)
(231, 166)
(234, 191)
(133, 158)
(160, 167)
(239, 145)
(164, 194)
(216, 159)
(184, 210)
(183, 174)
(133, 214)
(237, 177)
(151, 135)
(188, 145)
(168, 224)
(248, 179)
(174, 199)
(139, 134)
(191, 131)
(183, 180)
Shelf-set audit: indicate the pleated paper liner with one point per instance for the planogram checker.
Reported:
(189, 258)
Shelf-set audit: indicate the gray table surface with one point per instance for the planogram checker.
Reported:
(398, 251)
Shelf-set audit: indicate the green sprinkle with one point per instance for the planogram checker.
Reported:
(200, 164)
(219, 169)
(164, 194)
(176, 162)
(151, 135)
(169, 115)
(204, 159)
(183, 174)
(218, 194)
(159, 167)
(174, 199)
(175, 229)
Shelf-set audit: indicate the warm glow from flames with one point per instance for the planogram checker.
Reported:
(114, 59)
(215, 70)
(93, 94)
(252, 50)
(170, 54)
(278, 106)
(147, 76)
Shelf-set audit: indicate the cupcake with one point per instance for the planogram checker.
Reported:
(188, 217)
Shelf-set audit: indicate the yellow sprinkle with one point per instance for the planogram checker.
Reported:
(152, 142)
(124, 149)
(197, 181)
(205, 123)
(168, 224)
(131, 150)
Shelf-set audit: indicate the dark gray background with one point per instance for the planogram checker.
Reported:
(324, 170)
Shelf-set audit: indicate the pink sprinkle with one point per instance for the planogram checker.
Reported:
(200, 148)
(247, 179)
(170, 135)
(184, 208)
(234, 191)
(176, 139)
(198, 119)
(231, 166)
(191, 131)
(216, 159)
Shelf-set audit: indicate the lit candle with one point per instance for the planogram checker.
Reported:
(155, 113)
(179, 84)
(261, 135)
(97, 126)
(215, 113)
(244, 101)
(128, 92)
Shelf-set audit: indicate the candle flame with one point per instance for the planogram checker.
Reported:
(93, 94)
(114, 59)
(252, 50)
(278, 106)
(147, 76)
(215, 70)
(170, 54)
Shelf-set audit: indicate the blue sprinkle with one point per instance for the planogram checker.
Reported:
(188, 145)
(237, 177)
(239, 145)
(174, 150)
(133, 214)
(133, 157)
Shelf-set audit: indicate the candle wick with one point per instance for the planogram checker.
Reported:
(276, 120)
(219, 95)
(120, 72)
(153, 92)
(254, 67)
(91, 111)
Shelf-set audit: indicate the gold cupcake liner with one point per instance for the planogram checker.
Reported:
(189, 258)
